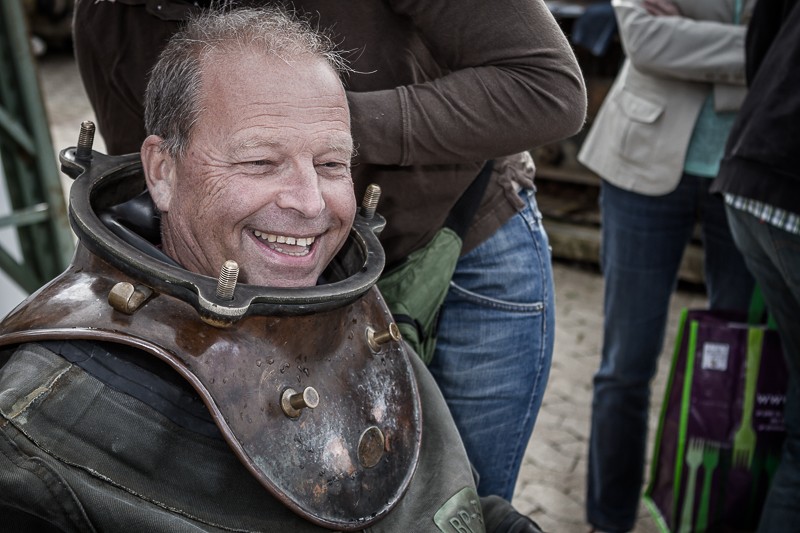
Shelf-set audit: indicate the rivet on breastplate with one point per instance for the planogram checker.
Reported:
(370, 447)
(126, 298)
(293, 402)
(377, 338)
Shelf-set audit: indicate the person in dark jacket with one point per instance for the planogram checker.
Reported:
(760, 179)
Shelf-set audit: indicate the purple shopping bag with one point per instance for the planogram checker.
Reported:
(721, 427)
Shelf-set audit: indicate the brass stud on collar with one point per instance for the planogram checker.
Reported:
(369, 204)
(226, 285)
(83, 151)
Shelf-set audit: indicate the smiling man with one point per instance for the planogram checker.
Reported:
(264, 176)
(133, 398)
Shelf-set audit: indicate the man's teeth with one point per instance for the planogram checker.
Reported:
(282, 239)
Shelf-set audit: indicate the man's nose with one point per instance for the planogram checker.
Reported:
(302, 192)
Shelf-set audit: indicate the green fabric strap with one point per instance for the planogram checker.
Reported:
(415, 290)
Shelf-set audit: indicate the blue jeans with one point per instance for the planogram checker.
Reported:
(643, 239)
(773, 256)
(495, 345)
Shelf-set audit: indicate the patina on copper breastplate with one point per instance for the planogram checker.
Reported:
(342, 454)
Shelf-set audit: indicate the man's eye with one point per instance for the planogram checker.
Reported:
(333, 165)
(259, 163)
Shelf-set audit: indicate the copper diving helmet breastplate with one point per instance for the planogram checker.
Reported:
(311, 388)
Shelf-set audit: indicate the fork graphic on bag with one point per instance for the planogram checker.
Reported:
(710, 462)
(694, 458)
(744, 441)
(698, 453)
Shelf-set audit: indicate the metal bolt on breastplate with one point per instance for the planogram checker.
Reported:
(376, 339)
(227, 280)
(128, 298)
(293, 402)
(370, 201)
(83, 152)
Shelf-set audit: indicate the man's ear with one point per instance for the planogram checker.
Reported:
(159, 171)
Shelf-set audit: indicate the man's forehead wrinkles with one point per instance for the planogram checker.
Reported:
(332, 101)
(337, 142)
(298, 112)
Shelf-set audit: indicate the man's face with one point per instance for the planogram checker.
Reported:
(266, 179)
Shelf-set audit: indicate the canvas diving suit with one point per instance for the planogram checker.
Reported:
(133, 398)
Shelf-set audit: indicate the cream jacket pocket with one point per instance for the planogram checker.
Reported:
(640, 131)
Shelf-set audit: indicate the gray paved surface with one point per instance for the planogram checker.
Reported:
(552, 481)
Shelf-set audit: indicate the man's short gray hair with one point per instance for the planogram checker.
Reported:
(172, 97)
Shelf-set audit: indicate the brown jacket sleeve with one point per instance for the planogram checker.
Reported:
(509, 82)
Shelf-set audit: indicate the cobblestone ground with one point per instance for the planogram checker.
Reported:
(551, 485)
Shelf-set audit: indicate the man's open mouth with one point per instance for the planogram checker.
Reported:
(296, 246)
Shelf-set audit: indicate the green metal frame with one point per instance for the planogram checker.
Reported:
(32, 178)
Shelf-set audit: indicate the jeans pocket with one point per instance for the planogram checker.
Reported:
(511, 270)
(535, 307)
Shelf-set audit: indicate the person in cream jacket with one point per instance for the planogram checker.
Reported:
(656, 142)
